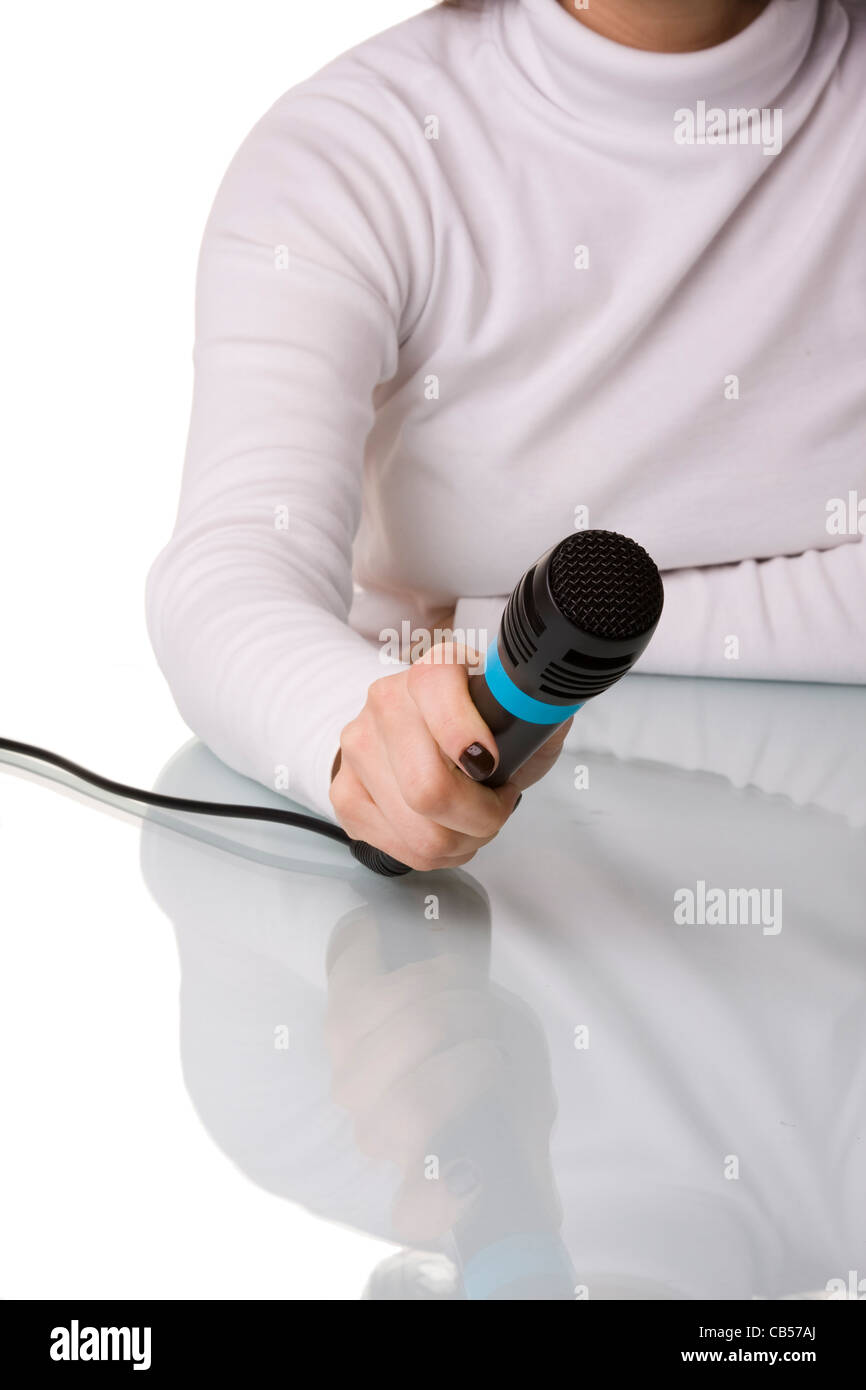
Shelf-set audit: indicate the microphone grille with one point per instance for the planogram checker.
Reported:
(606, 585)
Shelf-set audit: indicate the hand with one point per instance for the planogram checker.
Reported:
(404, 777)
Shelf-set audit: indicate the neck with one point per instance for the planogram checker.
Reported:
(666, 26)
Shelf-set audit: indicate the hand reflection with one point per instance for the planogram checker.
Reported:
(423, 1050)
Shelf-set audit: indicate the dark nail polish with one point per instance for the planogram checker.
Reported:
(477, 762)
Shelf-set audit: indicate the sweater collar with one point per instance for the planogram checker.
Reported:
(608, 83)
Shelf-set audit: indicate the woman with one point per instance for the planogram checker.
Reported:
(502, 270)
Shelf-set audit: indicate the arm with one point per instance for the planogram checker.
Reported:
(794, 618)
(305, 293)
(801, 618)
(303, 284)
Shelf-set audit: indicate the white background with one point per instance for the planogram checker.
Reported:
(118, 123)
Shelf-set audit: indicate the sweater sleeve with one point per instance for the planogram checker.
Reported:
(790, 618)
(303, 286)
(798, 619)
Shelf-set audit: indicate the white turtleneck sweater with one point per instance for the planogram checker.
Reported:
(467, 287)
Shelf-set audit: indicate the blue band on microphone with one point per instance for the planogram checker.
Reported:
(530, 1256)
(512, 698)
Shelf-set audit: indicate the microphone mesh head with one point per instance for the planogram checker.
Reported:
(606, 585)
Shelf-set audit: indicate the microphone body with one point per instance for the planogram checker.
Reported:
(574, 625)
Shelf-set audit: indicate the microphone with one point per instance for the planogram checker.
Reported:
(575, 624)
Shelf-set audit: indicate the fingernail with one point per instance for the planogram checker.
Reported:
(477, 762)
(516, 804)
(462, 1177)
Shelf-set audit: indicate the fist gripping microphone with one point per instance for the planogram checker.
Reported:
(575, 624)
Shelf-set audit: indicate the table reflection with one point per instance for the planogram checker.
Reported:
(540, 1075)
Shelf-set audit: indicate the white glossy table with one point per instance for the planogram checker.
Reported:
(533, 1068)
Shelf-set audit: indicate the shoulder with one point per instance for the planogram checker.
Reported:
(354, 131)
(438, 39)
(339, 167)
(383, 87)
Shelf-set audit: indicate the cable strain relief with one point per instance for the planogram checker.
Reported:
(377, 860)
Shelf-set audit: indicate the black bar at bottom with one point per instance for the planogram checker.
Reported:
(164, 1339)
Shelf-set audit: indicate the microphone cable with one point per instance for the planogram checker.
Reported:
(369, 856)
(187, 805)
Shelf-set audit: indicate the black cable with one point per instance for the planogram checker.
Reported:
(371, 858)
(176, 803)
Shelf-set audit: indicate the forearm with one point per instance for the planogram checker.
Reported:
(791, 618)
(266, 677)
